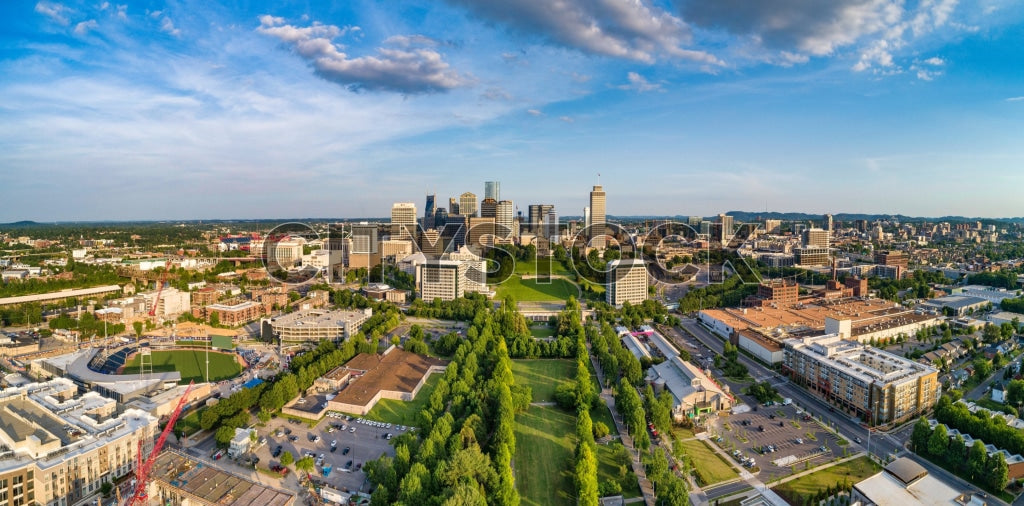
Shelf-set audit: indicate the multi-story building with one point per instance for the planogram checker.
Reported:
(828, 223)
(453, 206)
(60, 447)
(779, 292)
(481, 232)
(467, 204)
(431, 244)
(812, 256)
(396, 249)
(441, 279)
(428, 212)
(597, 218)
(816, 238)
(536, 214)
(315, 325)
(492, 190)
(488, 208)
(231, 314)
(725, 228)
(626, 281)
(892, 258)
(403, 220)
(504, 224)
(878, 386)
(179, 480)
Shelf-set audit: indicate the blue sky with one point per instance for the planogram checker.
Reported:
(191, 110)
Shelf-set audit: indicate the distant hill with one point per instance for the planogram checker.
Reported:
(20, 224)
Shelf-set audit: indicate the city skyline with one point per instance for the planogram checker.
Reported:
(186, 111)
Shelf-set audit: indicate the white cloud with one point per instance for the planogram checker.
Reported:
(566, 119)
(84, 27)
(55, 11)
(639, 84)
(635, 30)
(935, 61)
(122, 11)
(1015, 99)
(168, 26)
(410, 69)
(534, 112)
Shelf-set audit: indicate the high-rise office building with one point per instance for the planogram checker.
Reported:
(428, 212)
(403, 220)
(536, 214)
(586, 218)
(454, 231)
(504, 219)
(492, 190)
(489, 208)
(626, 281)
(467, 204)
(440, 218)
(549, 226)
(453, 206)
(828, 223)
(364, 238)
(431, 244)
(725, 226)
(597, 217)
(441, 279)
(816, 237)
(481, 232)
(694, 221)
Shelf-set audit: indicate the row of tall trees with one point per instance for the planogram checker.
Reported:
(980, 425)
(467, 428)
(972, 462)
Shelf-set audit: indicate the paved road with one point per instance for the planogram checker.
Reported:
(882, 445)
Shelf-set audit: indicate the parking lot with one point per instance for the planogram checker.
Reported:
(364, 442)
(777, 438)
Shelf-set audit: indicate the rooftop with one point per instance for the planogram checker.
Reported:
(320, 318)
(397, 370)
(905, 482)
(214, 486)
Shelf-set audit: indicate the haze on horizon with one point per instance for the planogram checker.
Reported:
(183, 110)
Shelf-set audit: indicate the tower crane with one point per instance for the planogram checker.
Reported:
(160, 289)
(143, 467)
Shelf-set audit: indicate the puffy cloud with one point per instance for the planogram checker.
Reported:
(58, 13)
(408, 69)
(639, 83)
(935, 61)
(168, 26)
(634, 30)
(84, 27)
(534, 112)
(808, 26)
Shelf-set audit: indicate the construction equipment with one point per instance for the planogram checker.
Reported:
(143, 467)
(160, 289)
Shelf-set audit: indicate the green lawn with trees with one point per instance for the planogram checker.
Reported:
(523, 290)
(838, 476)
(402, 412)
(191, 364)
(543, 376)
(708, 466)
(544, 454)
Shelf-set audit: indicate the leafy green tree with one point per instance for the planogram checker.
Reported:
(919, 438)
(137, 326)
(977, 459)
(287, 459)
(586, 476)
(305, 464)
(998, 472)
(939, 441)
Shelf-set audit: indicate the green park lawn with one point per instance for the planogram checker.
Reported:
(191, 364)
(547, 265)
(531, 290)
(540, 331)
(401, 412)
(806, 486)
(543, 375)
(544, 456)
(710, 466)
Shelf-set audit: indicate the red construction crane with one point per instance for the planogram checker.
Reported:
(160, 289)
(143, 467)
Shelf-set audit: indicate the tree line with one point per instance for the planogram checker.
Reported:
(980, 425)
(972, 462)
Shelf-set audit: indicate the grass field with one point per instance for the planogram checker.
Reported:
(711, 467)
(542, 331)
(401, 412)
(543, 376)
(849, 472)
(191, 364)
(544, 454)
(546, 265)
(530, 290)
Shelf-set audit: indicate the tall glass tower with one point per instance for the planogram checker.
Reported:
(492, 190)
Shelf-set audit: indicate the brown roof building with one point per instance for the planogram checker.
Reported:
(394, 374)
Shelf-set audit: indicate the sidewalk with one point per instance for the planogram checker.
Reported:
(746, 476)
(646, 488)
